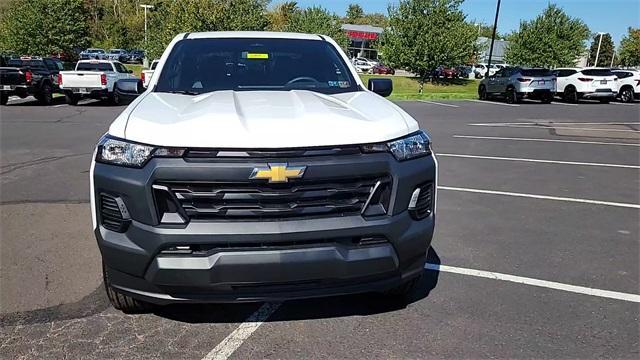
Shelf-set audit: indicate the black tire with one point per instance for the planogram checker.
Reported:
(45, 97)
(482, 92)
(115, 99)
(547, 99)
(122, 302)
(626, 95)
(71, 98)
(604, 101)
(4, 98)
(570, 95)
(511, 96)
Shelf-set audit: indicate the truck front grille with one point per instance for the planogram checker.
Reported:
(258, 201)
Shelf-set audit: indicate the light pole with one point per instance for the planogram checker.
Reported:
(598, 52)
(146, 61)
(493, 38)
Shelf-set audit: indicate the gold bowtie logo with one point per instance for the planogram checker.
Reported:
(278, 173)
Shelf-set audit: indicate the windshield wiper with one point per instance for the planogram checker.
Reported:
(184, 92)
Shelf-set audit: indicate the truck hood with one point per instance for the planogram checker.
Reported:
(262, 119)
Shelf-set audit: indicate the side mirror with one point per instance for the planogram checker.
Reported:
(130, 71)
(382, 87)
(127, 90)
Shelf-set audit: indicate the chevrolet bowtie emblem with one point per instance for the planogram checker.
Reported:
(278, 173)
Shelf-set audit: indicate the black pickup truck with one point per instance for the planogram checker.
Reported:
(27, 76)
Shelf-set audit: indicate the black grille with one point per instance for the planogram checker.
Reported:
(248, 200)
(110, 215)
(424, 204)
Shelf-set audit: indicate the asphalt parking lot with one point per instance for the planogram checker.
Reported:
(536, 252)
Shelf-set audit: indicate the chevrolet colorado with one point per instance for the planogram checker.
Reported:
(244, 174)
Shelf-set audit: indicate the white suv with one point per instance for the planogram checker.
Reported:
(589, 83)
(628, 84)
(515, 83)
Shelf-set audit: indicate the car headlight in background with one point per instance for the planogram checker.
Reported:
(121, 152)
(409, 147)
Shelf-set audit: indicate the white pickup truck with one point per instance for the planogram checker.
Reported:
(92, 78)
(146, 75)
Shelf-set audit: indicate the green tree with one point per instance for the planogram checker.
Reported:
(629, 51)
(176, 17)
(281, 14)
(317, 20)
(606, 50)
(424, 34)
(354, 13)
(552, 39)
(43, 27)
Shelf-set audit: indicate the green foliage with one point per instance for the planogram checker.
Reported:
(354, 13)
(181, 16)
(43, 27)
(281, 14)
(553, 39)
(317, 20)
(629, 51)
(606, 50)
(424, 34)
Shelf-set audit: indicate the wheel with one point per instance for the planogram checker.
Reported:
(626, 95)
(122, 302)
(511, 96)
(547, 99)
(604, 101)
(482, 93)
(4, 98)
(115, 99)
(570, 95)
(71, 98)
(46, 95)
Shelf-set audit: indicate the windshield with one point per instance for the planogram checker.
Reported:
(203, 65)
(536, 72)
(94, 67)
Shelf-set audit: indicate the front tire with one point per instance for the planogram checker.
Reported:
(122, 302)
(626, 95)
(570, 95)
(512, 96)
(46, 95)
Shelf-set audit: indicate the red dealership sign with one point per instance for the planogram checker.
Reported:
(362, 35)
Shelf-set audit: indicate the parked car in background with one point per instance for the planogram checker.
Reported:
(30, 76)
(515, 83)
(146, 75)
(93, 54)
(383, 69)
(464, 71)
(118, 55)
(362, 66)
(94, 79)
(589, 83)
(481, 69)
(628, 84)
(370, 61)
(136, 56)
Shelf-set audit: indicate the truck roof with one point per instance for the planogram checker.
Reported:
(250, 34)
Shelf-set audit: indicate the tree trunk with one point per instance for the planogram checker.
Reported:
(422, 80)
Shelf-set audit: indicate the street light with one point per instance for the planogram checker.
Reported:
(493, 38)
(598, 52)
(145, 32)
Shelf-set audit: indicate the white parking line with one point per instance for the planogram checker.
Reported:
(564, 103)
(540, 161)
(437, 103)
(543, 197)
(60, 105)
(618, 103)
(549, 122)
(552, 127)
(543, 140)
(233, 341)
(492, 103)
(536, 282)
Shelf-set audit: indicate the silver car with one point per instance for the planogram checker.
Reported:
(516, 83)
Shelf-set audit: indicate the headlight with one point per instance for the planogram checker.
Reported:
(412, 146)
(121, 152)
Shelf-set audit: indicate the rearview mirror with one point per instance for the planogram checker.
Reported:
(127, 90)
(382, 87)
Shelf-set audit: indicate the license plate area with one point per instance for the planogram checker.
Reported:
(603, 82)
(80, 90)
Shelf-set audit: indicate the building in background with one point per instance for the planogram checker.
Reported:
(361, 40)
(499, 47)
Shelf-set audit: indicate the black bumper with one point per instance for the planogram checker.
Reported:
(296, 258)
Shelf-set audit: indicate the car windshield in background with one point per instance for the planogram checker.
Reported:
(94, 67)
(597, 72)
(203, 65)
(536, 72)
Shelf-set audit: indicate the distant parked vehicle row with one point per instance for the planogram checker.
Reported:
(146, 75)
(29, 76)
(571, 84)
(122, 55)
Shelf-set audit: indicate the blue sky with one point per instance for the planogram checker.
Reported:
(612, 16)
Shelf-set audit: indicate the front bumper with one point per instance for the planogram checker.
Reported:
(294, 258)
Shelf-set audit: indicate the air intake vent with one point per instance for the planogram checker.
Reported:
(111, 213)
(424, 202)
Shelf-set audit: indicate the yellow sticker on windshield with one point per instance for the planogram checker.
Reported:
(257, 55)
